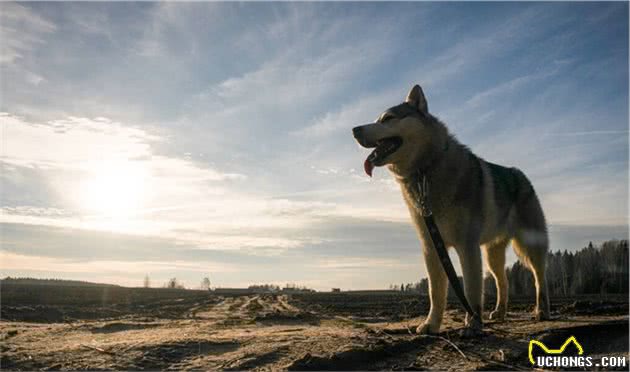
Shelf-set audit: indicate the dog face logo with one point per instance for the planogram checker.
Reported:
(559, 351)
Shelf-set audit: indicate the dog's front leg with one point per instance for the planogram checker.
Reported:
(437, 289)
(470, 259)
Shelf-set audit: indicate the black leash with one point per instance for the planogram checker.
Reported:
(438, 243)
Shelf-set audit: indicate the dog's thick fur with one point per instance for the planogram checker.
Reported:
(475, 203)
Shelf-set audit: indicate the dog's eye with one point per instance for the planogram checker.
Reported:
(386, 118)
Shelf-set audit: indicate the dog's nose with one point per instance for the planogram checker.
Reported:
(356, 131)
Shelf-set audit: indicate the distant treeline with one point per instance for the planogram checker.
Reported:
(272, 288)
(591, 270)
(54, 282)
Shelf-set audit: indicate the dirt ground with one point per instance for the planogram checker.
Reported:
(292, 332)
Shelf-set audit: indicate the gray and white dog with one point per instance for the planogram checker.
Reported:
(474, 202)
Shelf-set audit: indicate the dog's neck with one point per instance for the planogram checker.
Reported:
(427, 166)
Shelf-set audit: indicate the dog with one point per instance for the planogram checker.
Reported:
(475, 204)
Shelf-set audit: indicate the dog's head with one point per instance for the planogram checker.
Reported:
(401, 136)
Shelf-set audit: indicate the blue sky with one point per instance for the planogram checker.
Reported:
(213, 139)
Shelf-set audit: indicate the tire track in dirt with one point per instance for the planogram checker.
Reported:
(253, 308)
(227, 307)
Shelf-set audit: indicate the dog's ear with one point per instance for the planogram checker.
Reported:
(416, 98)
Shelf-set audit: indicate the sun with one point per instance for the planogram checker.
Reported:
(115, 189)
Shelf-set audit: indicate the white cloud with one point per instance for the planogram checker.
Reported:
(82, 155)
(108, 177)
(73, 143)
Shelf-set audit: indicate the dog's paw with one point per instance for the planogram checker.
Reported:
(497, 315)
(473, 328)
(427, 328)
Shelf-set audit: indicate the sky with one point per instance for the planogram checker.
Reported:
(214, 139)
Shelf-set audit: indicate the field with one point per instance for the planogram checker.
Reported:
(98, 328)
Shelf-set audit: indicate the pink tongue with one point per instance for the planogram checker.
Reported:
(368, 167)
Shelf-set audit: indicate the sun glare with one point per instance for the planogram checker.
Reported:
(116, 189)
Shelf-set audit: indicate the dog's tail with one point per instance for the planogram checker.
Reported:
(529, 212)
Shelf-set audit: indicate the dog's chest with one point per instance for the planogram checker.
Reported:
(447, 215)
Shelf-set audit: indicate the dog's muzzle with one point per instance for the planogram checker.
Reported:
(359, 135)
(383, 146)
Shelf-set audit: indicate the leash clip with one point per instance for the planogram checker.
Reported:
(423, 195)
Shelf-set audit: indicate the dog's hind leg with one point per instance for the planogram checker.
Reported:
(495, 260)
(437, 290)
(531, 242)
(534, 256)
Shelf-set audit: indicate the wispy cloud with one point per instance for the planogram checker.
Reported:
(21, 31)
(487, 96)
(353, 263)
(590, 133)
(348, 116)
(48, 264)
